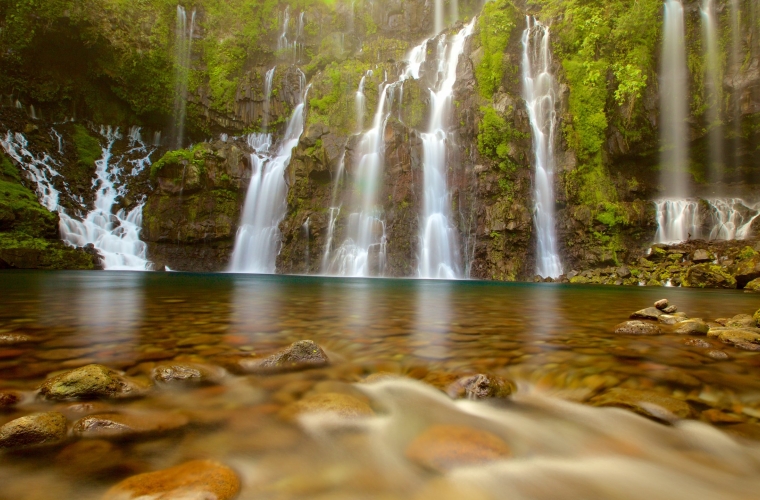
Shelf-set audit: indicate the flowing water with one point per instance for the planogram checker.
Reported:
(674, 94)
(713, 90)
(554, 341)
(183, 45)
(439, 254)
(268, 79)
(709, 219)
(257, 242)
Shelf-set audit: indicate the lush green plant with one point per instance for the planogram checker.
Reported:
(495, 24)
(88, 148)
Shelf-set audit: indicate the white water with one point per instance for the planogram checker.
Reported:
(183, 41)
(439, 22)
(539, 92)
(258, 239)
(268, 79)
(362, 253)
(710, 219)
(116, 236)
(674, 93)
(360, 103)
(713, 89)
(439, 255)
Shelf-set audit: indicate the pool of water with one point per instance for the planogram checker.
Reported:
(555, 342)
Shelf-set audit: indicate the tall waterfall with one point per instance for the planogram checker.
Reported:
(183, 41)
(439, 17)
(439, 255)
(258, 239)
(268, 79)
(539, 92)
(362, 253)
(116, 236)
(674, 91)
(713, 89)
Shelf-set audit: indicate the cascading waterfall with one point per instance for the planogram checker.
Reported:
(539, 89)
(674, 91)
(439, 256)
(360, 101)
(257, 242)
(439, 17)
(713, 89)
(268, 79)
(362, 253)
(115, 236)
(183, 42)
(709, 219)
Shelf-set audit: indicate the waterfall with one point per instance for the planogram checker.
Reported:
(713, 90)
(735, 60)
(362, 253)
(709, 219)
(674, 91)
(258, 239)
(439, 255)
(360, 102)
(268, 79)
(539, 90)
(183, 41)
(116, 236)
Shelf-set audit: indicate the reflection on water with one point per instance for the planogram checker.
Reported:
(554, 341)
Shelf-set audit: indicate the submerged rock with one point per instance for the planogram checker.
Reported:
(743, 338)
(124, 425)
(343, 405)
(34, 430)
(193, 373)
(480, 386)
(298, 356)
(91, 382)
(636, 327)
(647, 403)
(692, 327)
(13, 339)
(198, 479)
(91, 456)
(444, 447)
(648, 313)
(8, 399)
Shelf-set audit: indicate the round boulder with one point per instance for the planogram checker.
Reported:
(297, 356)
(34, 430)
(636, 327)
(692, 327)
(444, 447)
(91, 382)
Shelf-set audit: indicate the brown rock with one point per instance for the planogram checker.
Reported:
(8, 399)
(193, 373)
(34, 430)
(692, 327)
(647, 403)
(716, 416)
(127, 425)
(698, 343)
(743, 338)
(719, 355)
(199, 340)
(13, 339)
(298, 356)
(444, 447)
(91, 382)
(343, 405)
(661, 304)
(636, 327)
(670, 310)
(480, 386)
(648, 313)
(198, 479)
(741, 321)
(91, 456)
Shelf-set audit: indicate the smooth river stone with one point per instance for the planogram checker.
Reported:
(193, 373)
(342, 405)
(90, 456)
(127, 425)
(648, 313)
(444, 447)
(34, 430)
(480, 386)
(91, 382)
(8, 399)
(743, 338)
(647, 403)
(741, 321)
(692, 327)
(637, 327)
(297, 356)
(195, 480)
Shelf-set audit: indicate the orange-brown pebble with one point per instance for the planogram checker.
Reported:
(444, 447)
(195, 479)
(331, 402)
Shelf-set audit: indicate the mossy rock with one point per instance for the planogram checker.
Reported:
(708, 276)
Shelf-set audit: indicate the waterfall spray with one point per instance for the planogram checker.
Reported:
(183, 41)
(713, 90)
(673, 102)
(539, 89)
(268, 79)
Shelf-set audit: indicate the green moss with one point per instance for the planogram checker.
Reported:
(746, 253)
(181, 157)
(496, 23)
(88, 147)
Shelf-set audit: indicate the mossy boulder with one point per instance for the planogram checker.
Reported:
(91, 382)
(38, 429)
(709, 276)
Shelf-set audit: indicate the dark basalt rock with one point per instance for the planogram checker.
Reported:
(91, 382)
(298, 356)
(33, 430)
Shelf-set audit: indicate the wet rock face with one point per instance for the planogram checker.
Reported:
(33, 430)
(196, 479)
(128, 425)
(445, 447)
(298, 356)
(91, 382)
(709, 276)
(637, 327)
(646, 403)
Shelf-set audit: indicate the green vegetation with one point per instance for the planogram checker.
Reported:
(181, 158)
(495, 24)
(88, 147)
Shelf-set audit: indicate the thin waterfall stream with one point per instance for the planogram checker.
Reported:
(183, 44)
(539, 89)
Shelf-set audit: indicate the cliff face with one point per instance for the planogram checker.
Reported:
(605, 61)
